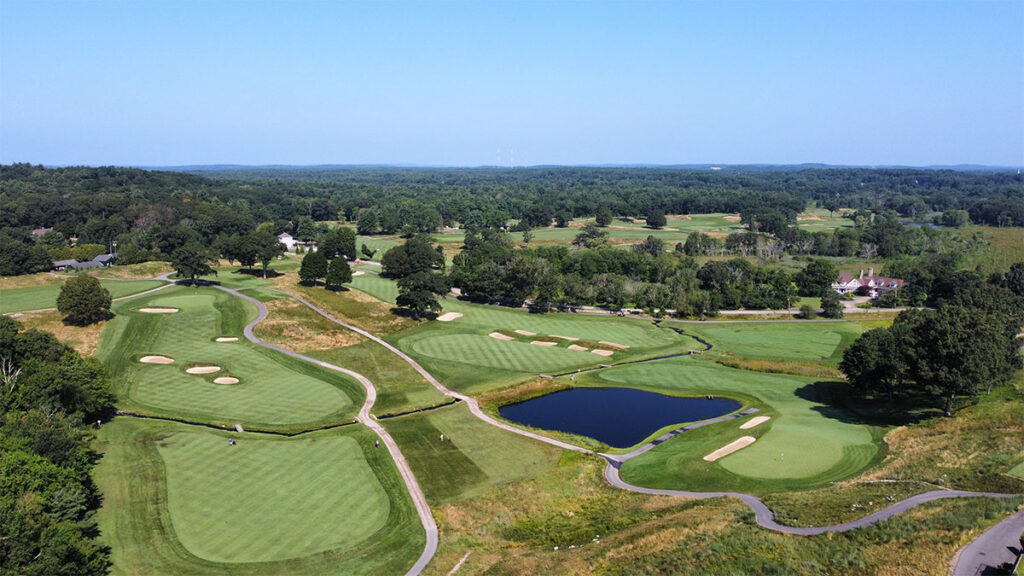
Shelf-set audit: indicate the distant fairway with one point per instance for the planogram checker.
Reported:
(805, 443)
(801, 341)
(264, 500)
(383, 289)
(473, 457)
(45, 296)
(273, 390)
(179, 500)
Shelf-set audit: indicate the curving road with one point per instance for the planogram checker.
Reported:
(763, 515)
(999, 545)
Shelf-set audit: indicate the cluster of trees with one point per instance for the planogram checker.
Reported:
(965, 345)
(330, 260)
(48, 501)
(151, 213)
(83, 300)
(491, 268)
(418, 265)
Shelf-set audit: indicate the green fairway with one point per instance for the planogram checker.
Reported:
(465, 357)
(806, 443)
(45, 296)
(273, 390)
(806, 341)
(1017, 471)
(379, 243)
(180, 500)
(473, 457)
(383, 289)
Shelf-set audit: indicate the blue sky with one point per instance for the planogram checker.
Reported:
(511, 83)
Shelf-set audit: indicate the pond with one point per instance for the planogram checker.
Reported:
(619, 417)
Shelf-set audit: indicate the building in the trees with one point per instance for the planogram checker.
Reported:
(866, 285)
(101, 261)
(286, 239)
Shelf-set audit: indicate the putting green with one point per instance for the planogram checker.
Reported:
(273, 390)
(263, 500)
(806, 441)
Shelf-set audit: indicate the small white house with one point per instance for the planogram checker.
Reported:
(286, 239)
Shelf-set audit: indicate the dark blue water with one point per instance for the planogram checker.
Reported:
(619, 417)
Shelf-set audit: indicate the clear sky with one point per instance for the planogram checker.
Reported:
(151, 83)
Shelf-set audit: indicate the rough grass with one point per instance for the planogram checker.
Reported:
(1002, 248)
(290, 324)
(139, 271)
(329, 502)
(83, 339)
(274, 390)
(806, 443)
(44, 295)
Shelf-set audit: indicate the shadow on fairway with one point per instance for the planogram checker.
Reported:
(837, 400)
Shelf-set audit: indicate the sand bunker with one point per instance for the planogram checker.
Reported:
(156, 360)
(526, 333)
(500, 336)
(600, 352)
(731, 218)
(158, 310)
(202, 370)
(543, 343)
(448, 316)
(227, 339)
(576, 347)
(613, 344)
(358, 273)
(569, 338)
(730, 448)
(754, 422)
(225, 380)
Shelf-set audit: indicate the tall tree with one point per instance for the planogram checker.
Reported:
(831, 305)
(83, 300)
(816, 277)
(313, 266)
(339, 242)
(367, 223)
(267, 246)
(418, 292)
(656, 218)
(338, 273)
(604, 216)
(192, 261)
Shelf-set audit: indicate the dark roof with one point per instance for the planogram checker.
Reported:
(104, 258)
(59, 263)
(84, 265)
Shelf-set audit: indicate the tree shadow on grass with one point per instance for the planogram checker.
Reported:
(838, 401)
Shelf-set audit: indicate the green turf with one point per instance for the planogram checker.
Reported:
(806, 443)
(804, 340)
(36, 297)
(473, 457)
(274, 390)
(383, 289)
(1017, 471)
(379, 243)
(179, 500)
(255, 501)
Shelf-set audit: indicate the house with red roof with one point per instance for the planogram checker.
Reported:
(869, 284)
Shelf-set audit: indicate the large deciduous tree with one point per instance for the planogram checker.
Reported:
(338, 273)
(192, 261)
(83, 300)
(313, 267)
(816, 277)
(656, 218)
(419, 291)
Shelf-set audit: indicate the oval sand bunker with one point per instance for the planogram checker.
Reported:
(156, 360)
(203, 369)
(158, 310)
(227, 339)
(225, 380)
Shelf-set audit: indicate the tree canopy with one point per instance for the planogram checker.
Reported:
(83, 300)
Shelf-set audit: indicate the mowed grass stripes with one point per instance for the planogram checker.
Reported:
(36, 297)
(266, 499)
(273, 390)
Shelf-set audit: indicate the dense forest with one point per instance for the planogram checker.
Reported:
(150, 214)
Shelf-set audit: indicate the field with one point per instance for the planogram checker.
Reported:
(273, 390)
(179, 499)
(45, 295)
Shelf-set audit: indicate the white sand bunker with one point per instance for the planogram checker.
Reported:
(754, 422)
(448, 316)
(500, 336)
(225, 380)
(577, 347)
(569, 338)
(613, 345)
(358, 273)
(600, 352)
(730, 448)
(543, 343)
(158, 310)
(202, 369)
(156, 360)
(526, 333)
(227, 339)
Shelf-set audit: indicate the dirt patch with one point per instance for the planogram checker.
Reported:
(525, 333)
(577, 348)
(543, 343)
(202, 370)
(600, 352)
(613, 345)
(226, 380)
(358, 273)
(731, 218)
(156, 360)
(500, 336)
(730, 448)
(448, 316)
(755, 421)
(227, 339)
(82, 338)
(158, 310)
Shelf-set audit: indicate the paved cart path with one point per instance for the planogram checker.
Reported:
(1000, 544)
